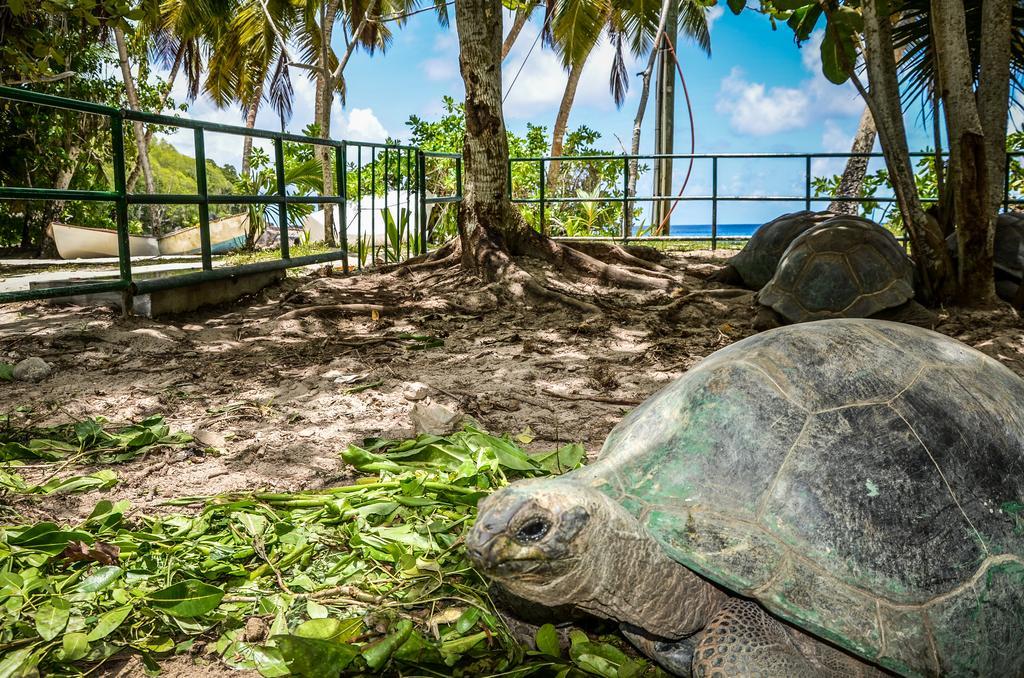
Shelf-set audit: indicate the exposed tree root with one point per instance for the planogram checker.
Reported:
(370, 309)
(646, 258)
(567, 258)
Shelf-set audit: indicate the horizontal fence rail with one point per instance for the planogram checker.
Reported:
(542, 199)
(397, 179)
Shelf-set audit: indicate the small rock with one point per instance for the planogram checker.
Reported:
(430, 417)
(256, 630)
(209, 438)
(416, 391)
(32, 369)
(340, 377)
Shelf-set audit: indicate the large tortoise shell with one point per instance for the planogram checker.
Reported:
(846, 267)
(862, 479)
(1009, 244)
(757, 261)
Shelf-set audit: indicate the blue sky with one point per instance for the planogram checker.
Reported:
(758, 92)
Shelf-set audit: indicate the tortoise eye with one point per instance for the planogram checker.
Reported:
(532, 530)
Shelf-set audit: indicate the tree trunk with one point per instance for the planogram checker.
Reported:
(486, 218)
(250, 122)
(641, 110)
(522, 16)
(883, 98)
(562, 123)
(968, 169)
(994, 93)
(152, 211)
(856, 168)
(54, 208)
(325, 84)
(133, 178)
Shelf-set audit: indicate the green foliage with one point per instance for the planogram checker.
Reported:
(90, 441)
(594, 179)
(175, 172)
(35, 49)
(370, 576)
(303, 175)
(52, 148)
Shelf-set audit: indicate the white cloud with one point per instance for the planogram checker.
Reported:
(834, 139)
(542, 81)
(714, 13)
(757, 110)
(362, 125)
(441, 68)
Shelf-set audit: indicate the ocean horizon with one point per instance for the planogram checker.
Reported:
(704, 230)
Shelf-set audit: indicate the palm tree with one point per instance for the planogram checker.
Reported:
(577, 25)
(249, 62)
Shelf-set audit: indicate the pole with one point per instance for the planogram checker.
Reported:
(664, 122)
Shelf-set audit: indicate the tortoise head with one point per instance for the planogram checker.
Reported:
(541, 539)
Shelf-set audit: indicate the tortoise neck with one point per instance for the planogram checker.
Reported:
(636, 582)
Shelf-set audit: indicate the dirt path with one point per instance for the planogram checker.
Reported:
(273, 400)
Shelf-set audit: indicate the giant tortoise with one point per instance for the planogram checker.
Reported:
(835, 498)
(755, 264)
(845, 267)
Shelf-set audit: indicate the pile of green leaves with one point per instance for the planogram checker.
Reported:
(92, 441)
(367, 578)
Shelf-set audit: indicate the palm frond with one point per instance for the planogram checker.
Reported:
(618, 80)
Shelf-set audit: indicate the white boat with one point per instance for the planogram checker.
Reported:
(83, 242)
(225, 235)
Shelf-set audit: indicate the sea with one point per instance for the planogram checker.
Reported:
(704, 230)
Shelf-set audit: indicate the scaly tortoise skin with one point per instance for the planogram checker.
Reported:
(859, 479)
(755, 264)
(846, 267)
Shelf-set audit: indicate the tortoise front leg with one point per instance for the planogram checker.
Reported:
(675, 656)
(742, 640)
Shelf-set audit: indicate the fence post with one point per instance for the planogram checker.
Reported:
(807, 185)
(714, 203)
(1006, 184)
(204, 206)
(124, 253)
(540, 221)
(458, 177)
(282, 190)
(421, 198)
(627, 209)
(341, 171)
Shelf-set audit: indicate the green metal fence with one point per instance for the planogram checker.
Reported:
(543, 198)
(404, 169)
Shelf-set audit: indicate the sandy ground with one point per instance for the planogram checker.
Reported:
(273, 399)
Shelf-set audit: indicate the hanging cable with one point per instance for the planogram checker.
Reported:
(693, 136)
(543, 28)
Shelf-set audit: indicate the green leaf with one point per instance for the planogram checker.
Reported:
(790, 5)
(6, 369)
(46, 538)
(20, 663)
(338, 630)
(190, 598)
(547, 640)
(311, 656)
(737, 6)
(838, 52)
(804, 20)
(51, 617)
(377, 654)
(100, 579)
(109, 621)
(76, 646)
